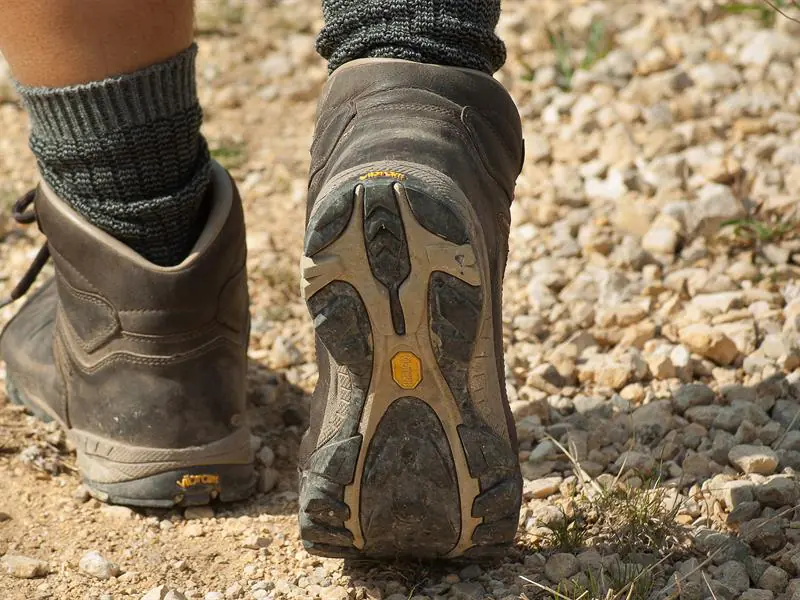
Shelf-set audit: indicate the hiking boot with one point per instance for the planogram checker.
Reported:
(411, 449)
(144, 366)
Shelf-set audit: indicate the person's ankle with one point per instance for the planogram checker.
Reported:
(126, 153)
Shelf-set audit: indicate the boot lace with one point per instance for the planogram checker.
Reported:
(25, 215)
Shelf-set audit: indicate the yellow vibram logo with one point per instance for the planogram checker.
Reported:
(188, 481)
(374, 174)
(406, 370)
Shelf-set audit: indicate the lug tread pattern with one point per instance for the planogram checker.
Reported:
(409, 502)
(342, 324)
(387, 246)
(410, 497)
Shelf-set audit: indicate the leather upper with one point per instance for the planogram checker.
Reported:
(460, 122)
(122, 348)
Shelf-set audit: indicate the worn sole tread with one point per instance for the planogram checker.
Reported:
(414, 458)
(188, 486)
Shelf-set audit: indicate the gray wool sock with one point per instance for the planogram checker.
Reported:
(126, 153)
(457, 33)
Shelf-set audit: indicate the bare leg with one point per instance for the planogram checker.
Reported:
(56, 43)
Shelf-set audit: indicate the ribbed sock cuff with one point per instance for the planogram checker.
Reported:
(457, 33)
(127, 154)
(93, 109)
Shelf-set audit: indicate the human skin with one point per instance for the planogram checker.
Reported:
(57, 43)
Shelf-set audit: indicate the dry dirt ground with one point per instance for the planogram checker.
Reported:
(652, 311)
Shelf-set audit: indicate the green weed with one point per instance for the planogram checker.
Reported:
(230, 155)
(624, 581)
(637, 519)
(570, 532)
(596, 46)
(630, 519)
(758, 231)
(764, 12)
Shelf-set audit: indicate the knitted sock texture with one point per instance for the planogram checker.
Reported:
(126, 154)
(456, 33)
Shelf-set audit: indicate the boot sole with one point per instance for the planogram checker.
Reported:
(118, 473)
(414, 458)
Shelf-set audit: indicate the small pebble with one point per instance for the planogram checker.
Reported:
(268, 479)
(266, 456)
(754, 459)
(198, 512)
(24, 567)
(94, 564)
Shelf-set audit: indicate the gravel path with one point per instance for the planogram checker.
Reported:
(652, 323)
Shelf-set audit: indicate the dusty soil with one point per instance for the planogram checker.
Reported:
(652, 312)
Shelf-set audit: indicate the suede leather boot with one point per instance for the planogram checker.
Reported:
(411, 449)
(144, 366)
